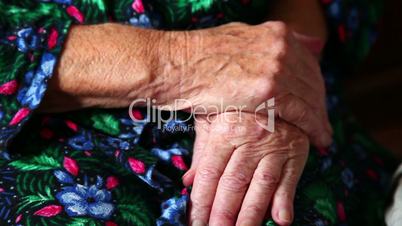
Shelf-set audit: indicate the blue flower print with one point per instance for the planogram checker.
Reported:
(27, 40)
(34, 84)
(166, 154)
(63, 2)
(82, 141)
(348, 178)
(142, 21)
(83, 200)
(173, 211)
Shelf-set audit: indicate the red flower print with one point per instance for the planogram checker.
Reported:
(76, 13)
(136, 165)
(70, 165)
(46, 133)
(184, 191)
(178, 161)
(19, 116)
(138, 6)
(341, 211)
(137, 114)
(49, 211)
(372, 174)
(342, 33)
(112, 182)
(52, 40)
(322, 151)
(9, 88)
(72, 125)
(110, 223)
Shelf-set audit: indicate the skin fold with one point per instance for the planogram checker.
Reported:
(238, 169)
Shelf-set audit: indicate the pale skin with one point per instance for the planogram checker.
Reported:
(110, 65)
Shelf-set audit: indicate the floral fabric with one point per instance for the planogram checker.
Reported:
(99, 167)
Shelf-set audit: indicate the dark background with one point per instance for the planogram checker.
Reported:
(374, 92)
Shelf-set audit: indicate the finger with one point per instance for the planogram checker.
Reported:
(201, 139)
(294, 110)
(263, 185)
(233, 185)
(305, 91)
(282, 203)
(210, 168)
(306, 67)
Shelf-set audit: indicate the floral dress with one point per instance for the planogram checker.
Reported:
(99, 167)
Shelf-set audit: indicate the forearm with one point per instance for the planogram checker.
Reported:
(108, 65)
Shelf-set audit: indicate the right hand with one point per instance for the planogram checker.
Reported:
(242, 66)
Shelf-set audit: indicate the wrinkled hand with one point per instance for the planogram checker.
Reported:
(239, 169)
(238, 65)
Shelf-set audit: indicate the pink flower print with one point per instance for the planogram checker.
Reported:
(49, 211)
(178, 161)
(19, 116)
(9, 88)
(138, 6)
(112, 182)
(136, 165)
(52, 40)
(76, 13)
(70, 165)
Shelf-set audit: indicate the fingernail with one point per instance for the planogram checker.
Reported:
(198, 223)
(284, 215)
(247, 223)
(184, 175)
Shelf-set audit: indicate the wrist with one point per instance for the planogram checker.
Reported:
(172, 67)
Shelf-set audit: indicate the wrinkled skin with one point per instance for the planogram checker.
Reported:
(239, 169)
(230, 66)
(243, 66)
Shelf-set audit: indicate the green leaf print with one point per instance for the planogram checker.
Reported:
(196, 5)
(41, 162)
(133, 208)
(322, 197)
(31, 182)
(106, 123)
(33, 201)
(83, 222)
(326, 208)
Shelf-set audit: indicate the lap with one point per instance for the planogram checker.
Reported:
(87, 177)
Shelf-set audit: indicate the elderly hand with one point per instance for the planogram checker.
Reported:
(242, 66)
(230, 66)
(238, 169)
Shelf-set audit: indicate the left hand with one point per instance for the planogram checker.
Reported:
(239, 168)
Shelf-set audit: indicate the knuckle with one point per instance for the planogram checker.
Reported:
(266, 179)
(303, 116)
(281, 28)
(285, 195)
(254, 210)
(225, 215)
(234, 182)
(209, 173)
(276, 68)
(199, 205)
(267, 85)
